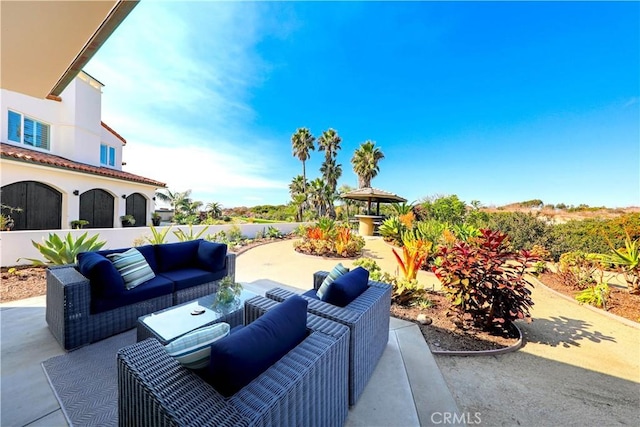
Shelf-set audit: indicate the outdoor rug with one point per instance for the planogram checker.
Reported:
(85, 381)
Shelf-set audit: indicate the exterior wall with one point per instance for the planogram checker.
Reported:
(67, 181)
(110, 139)
(75, 122)
(17, 244)
(44, 110)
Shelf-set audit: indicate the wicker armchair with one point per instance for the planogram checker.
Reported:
(367, 317)
(307, 387)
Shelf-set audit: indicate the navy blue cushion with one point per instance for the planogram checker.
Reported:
(241, 357)
(188, 277)
(212, 256)
(175, 256)
(105, 280)
(311, 293)
(149, 253)
(158, 286)
(347, 287)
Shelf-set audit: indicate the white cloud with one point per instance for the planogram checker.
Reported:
(177, 78)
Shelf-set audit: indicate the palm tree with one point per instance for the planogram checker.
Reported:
(214, 208)
(297, 185)
(365, 163)
(302, 143)
(298, 196)
(331, 172)
(317, 195)
(178, 200)
(329, 142)
(346, 202)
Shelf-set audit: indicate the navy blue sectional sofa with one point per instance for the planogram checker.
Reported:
(88, 302)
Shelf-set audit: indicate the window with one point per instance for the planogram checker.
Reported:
(107, 155)
(28, 131)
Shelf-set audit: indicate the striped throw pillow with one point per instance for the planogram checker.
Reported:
(133, 267)
(337, 271)
(193, 350)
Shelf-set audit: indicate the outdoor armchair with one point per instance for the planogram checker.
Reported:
(367, 318)
(306, 387)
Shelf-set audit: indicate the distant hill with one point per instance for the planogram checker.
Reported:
(563, 213)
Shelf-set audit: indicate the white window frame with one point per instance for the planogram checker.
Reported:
(110, 156)
(38, 125)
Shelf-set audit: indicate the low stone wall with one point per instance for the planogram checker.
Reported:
(17, 244)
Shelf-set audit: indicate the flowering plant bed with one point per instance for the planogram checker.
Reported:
(330, 242)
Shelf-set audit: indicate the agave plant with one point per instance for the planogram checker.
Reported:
(59, 251)
(628, 259)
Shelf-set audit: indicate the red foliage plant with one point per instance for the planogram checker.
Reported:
(485, 281)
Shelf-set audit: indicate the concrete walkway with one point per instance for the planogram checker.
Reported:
(578, 366)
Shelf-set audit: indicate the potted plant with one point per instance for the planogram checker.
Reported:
(227, 292)
(6, 222)
(127, 220)
(79, 223)
(155, 219)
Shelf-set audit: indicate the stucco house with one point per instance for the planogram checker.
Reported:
(60, 162)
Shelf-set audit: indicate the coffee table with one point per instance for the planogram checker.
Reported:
(173, 322)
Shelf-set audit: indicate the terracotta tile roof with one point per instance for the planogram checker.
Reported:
(13, 152)
(116, 134)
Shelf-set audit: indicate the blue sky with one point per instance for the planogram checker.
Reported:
(497, 102)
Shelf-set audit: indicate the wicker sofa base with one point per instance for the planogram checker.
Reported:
(69, 315)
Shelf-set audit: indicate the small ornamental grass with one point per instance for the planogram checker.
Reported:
(485, 281)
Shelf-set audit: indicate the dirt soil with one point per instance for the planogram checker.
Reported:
(443, 335)
(620, 301)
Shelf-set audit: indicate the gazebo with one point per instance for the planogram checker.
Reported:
(369, 195)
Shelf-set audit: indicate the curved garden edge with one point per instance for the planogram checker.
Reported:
(518, 344)
(620, 319)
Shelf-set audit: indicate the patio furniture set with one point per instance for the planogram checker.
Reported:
(288, 359)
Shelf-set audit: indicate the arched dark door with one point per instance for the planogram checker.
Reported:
(96, 206)
(137, 206)
(41, 205)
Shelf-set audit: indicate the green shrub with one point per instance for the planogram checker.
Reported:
(595, 295)
(578, 268)
(59, 251)
(449, 209)
(524, 229)
(234, 234)
(391, 230)
(486, 281)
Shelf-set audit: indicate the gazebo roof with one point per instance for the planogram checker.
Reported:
(369, 194)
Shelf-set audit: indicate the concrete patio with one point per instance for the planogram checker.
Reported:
(405, 390)
(579, 366)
